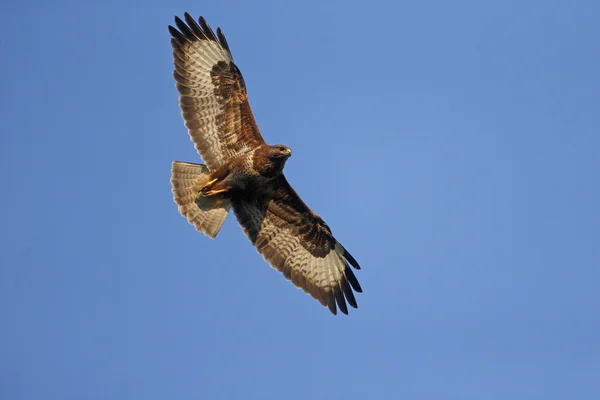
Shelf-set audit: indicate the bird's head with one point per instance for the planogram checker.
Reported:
(279, 152)
(272, 159)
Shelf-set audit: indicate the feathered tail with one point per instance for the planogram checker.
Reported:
(207, 214)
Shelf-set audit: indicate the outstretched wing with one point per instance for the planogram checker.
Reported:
(212, 94)
(297, 242)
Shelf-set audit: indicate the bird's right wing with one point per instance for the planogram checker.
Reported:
(213, 98)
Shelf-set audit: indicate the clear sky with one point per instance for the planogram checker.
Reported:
(451, 146)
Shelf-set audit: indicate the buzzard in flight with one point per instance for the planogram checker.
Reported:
(245, 174)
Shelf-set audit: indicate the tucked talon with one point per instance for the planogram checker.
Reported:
(208, 185)
(213, 192)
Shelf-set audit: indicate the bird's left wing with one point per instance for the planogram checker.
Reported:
(212, 93)
(297, 242)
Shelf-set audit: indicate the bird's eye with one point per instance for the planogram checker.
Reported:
(282, 149)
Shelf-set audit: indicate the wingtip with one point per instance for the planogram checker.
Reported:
(340, 300)
(349, 257)
(352, 280)
(207, 29)
(192, 30)
(333, 309)
(174, 32)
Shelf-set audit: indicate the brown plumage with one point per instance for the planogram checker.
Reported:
(244, 173)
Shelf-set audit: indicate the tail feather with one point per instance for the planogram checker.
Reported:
(206, 214)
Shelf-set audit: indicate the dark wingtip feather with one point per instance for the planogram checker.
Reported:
(194, 26)
(353, 281)
(223, 40)
(178, 22)
(330, 301)
(207, 29)
(339, 298)
(190, 31)
(351, 259)
(348, 292)
(184, 29)
(178, 36)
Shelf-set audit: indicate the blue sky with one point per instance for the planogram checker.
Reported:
(451, 146)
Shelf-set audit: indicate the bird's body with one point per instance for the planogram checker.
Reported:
(250, 171)
(245, 174)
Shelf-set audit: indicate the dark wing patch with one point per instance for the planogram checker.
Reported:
(212, 93)
(297, 242)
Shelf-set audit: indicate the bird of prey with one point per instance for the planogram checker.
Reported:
(243, 173)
